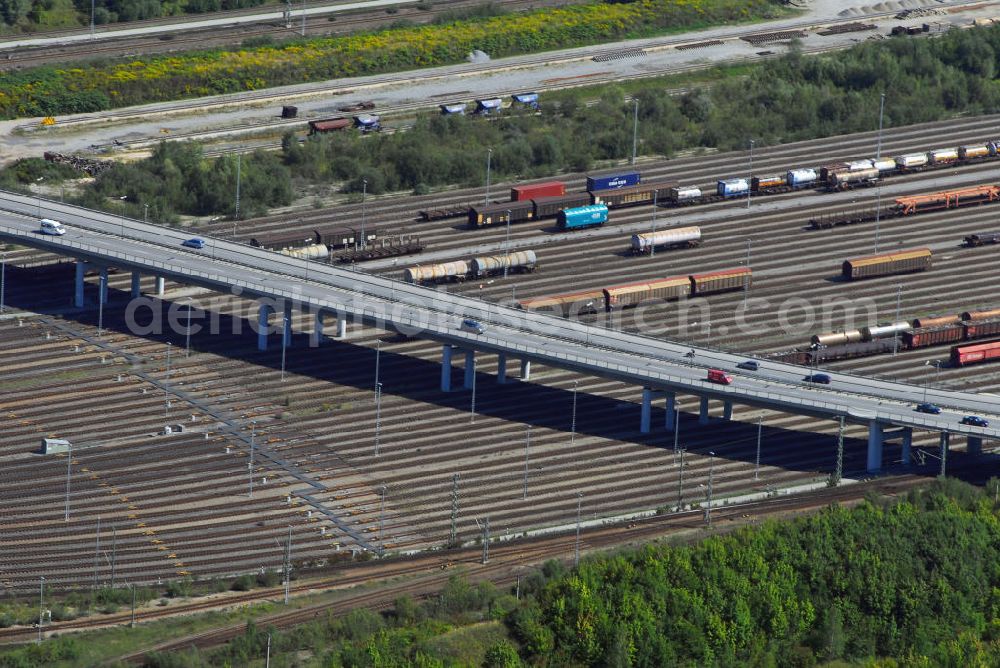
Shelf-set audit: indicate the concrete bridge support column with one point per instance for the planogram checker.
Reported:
(286, 329)
(136, 288)
(907, 455)
(974, 445)
(263, 312)
(316, 338)
(647, 410)
(671, 417)
(525, 369)
(470, 368)
(945, 442)
(102, 286)
(727, 410)
(446, 368)
(81, 267)
(876, 438)
(502, 368)
(341, 326)
(159, 286)
(703, 411)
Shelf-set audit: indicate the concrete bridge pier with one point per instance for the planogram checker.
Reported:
(102, 286)
(974, 445)
(703, 411)
(286, 327)
(876, 438)
(907, 454)
(81, 268)
(159, 286)
(502, 368)
(316, 338)
(470, 368)
(446, 368)
(647, 409)
(945, 442)
(264, 311)
(525, 369)
(727, 410)
(671, 417)
(341, 326)
(136, 287)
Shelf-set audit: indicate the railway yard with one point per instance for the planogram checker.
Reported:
(179, 504)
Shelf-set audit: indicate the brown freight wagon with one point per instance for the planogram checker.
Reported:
(633, 196)
(570, 304)
(631, 294)
(721, 281)
(921, 338)
(982, 328)
(329, 125)
(546, 207)
(497, 214)
(899, 262)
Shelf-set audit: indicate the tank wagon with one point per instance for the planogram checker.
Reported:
(519, 261)
(898, 262)
(437, 273)
(681, 237)
(581, 217)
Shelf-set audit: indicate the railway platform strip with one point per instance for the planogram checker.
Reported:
(660, 367)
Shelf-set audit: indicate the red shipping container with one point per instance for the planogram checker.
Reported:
(547, 189)
(980, 352)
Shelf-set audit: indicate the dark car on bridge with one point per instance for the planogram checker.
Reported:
(818, 378)
(194, 243)
(925, 407)
(748, 365)
(975, 421)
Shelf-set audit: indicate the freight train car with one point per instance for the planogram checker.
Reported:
(549, 207)
(329, 125)
(948, 199)
(982, 239)
(980, 329)
(884, 331)
(437, 273)
(721, 281)
(582, 217)
(632, 196)
(499, 214)
(836, 338)
(898, 262)
(567, 305)
(280, 242)
(685, 237)
(630, 294)
(518, 261)
(852, 178)
(921, 338)
(975, 353)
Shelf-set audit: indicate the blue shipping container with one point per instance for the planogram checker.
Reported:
(583, 216)
(614, 181)
(733, 187)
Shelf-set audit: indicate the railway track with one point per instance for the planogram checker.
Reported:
(192, 494)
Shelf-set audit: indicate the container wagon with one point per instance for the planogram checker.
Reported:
(630, 294)
(499, 214)
(582, 217)
(632, 196)
(437, 273)
(899, 262)
(767, 184)
(921, 338)
(942, 156)
(549, 207)
(948, 199)
(519, 261)
(567, 305)
(911, 162)
(721, 281)
(685, 195)
(613, 181)
(531, 191)
(975, 353)
(982, 239)
(801, 178)
(685, 237)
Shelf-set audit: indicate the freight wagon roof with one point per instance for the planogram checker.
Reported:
(662, 186)
(739, 271)
(890, 257)
(651, 285)
(330, 124)
(557, 199)
(692, 229)
(563, 298)
(515, 205)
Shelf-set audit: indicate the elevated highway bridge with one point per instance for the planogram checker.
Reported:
(663, 368)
